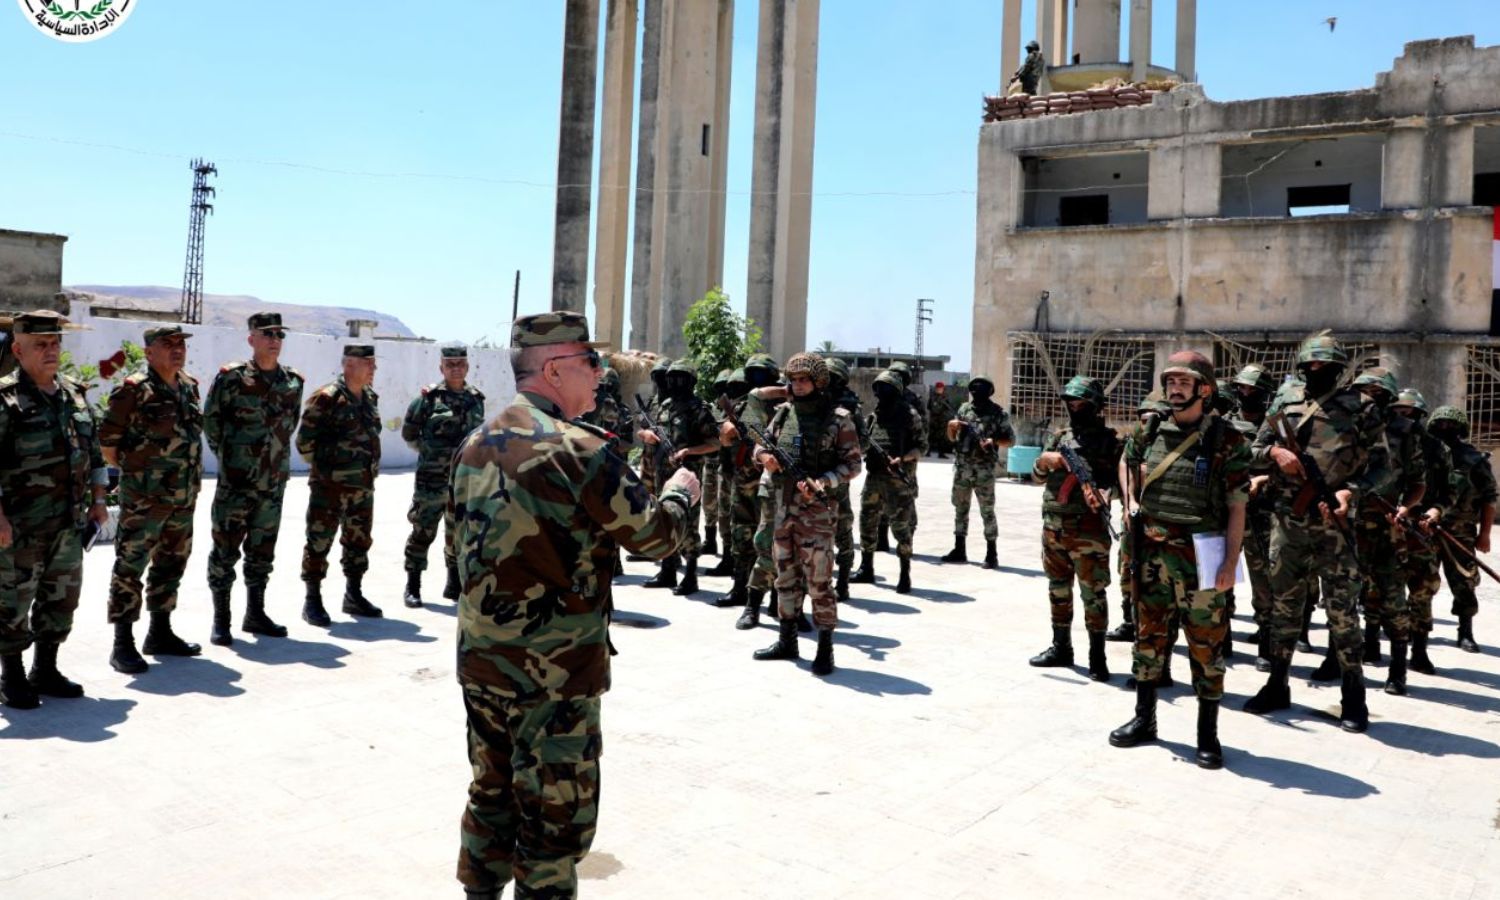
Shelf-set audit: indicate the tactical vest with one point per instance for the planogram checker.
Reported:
(807, 439)
(897, 439)
(1191, 491)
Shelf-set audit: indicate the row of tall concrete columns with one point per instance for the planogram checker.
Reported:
(575, 156)
(1096, 35)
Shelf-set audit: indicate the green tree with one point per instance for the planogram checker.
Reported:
(718, 338)
(826, 347)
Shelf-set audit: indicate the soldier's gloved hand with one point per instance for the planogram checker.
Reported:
(686, 480)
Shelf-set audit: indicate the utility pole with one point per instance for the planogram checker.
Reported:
(198, 210)
(924, 318)
(515, 298)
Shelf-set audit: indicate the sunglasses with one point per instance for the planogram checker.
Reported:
(591, 355)
(273, 333)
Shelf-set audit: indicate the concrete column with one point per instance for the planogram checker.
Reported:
(1456, 188)
(1140, 39)
(1046, 26)
(1187, 39)
(1096, 33)
(613, 217)
(1060, 55)
(575, 156)
(719, 144)
(1010, 42)
(645, 178)
(1403, 170)
(1185, 181)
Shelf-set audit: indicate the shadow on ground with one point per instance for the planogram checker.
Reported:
(86, 720)
(877, 684)
(287, 650)
(1282, 774)
(174, 676)
(380, 630)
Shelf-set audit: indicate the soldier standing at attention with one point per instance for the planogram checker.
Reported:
(1194, 471)
(689, 425)
(821, 440)
(1419, 565)
(939, 414)
(153, 433)
(1075, 533)
(711, 472)
(890, 489)
(843, 535)
(340, 437)
(1031, 68)
(52, 482)
(1253, 387)
(752, 509)
(978, 431)
(249, 419)
(540, 506)
(1468, 515)
(437, 421)
(735, 390)
(1340, 430)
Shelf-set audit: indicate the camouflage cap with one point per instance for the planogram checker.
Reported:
(1081, 387)
(808, 365)
(454, 351)
(1410, 398)
(548, 328)
(359, 351)
(1380, 377)
(261, 320)
(1322, 348)
(162, 331)
(1450, 414)
(41, 321)
(1257, 377)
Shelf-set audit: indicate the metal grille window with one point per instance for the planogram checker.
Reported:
(1042, 363)
(1279, 357)
(1482, 395)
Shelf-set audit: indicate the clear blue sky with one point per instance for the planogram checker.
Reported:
(402, 157)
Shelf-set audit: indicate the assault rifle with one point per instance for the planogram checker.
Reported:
(1315, 488)
(1405, 525)
(968, 437)
(883, 457)
(665, 449)
(791, 471)
(1137, 527)
(1084, 476)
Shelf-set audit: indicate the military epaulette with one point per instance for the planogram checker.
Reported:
(232, 366)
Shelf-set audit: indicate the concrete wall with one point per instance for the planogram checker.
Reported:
(403, 369)
(1120, 176)
(30, 269)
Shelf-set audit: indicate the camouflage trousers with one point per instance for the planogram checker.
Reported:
(1419, 569)
(712, 490)
(804, 560)
(1304, 551)
(244, 518)
(344, 510)
(976, 478)
(694, 538)
(884, 497)
(161, 536)
(744, 519)
(1257, 549)
(725, 519)
(1460, 572)
(763, 575)
(1384, 595)
(843, 530)
(41, 575)
(534, 798)
(1170, 595)
(1079, 548)
(429, 506)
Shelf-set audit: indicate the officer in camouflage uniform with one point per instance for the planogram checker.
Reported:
(1194, 471)
(436, 422)
(1253, 388)
(1075, 533)
(540, 505)
(249, 419)
(1419, 563)
(821, 440)
(52, 482)
(735, 389)
(340, 437)
(898, 430)
(843, 534)
(977, 433)
(1341, 430)
(752, 509)
(690, 426)
(154, 433)
(1468, 516)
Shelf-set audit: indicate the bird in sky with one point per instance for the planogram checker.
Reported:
(1332, 22)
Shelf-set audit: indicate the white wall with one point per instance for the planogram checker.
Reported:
(403, 369)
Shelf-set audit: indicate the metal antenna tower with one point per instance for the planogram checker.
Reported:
(192, 277)
(924, 318)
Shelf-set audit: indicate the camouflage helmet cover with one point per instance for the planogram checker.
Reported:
(903, 371)
(809, 365)
(890, 378)
(838, 368)
(1411, 398)
(1322, 348)
(1380, 377)
(761, 361)
(1256, 376)
(1189, 362)
(1081, 387)
(1451, 414)
(683, 367)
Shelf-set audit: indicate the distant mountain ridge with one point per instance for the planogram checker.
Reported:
(231, 310)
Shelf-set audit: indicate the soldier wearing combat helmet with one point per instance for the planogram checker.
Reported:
(1420, 569)
(1253, 387)
(977, 432)
(689, 426)
(1468, 514)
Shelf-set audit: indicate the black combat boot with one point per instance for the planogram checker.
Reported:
(256, 621)
(313, 612)
(710, 543)
(355, 602)
(823, 662)
(689, 584)
(1420, 662)
(44, 677)
(666, 576)
(1329, 669)
(15, 691)
(773, 608)
(736, 595)
(220, 635)
(991, 558)
(866, 573)
(161, 641)
(1059, 653)
(841, 585)
(1303, 644)
(1210, 752)
(725, 566)
(803, 625)
(1372, 642)
(452, 589)
(1466, 641)
(959, 553)
(903, 584)
(413, 596)
(1126, 629)
(123, 657)
(1142, 728)
(750, 618)
(481, 893)
(1355, 716)
(883, 541)
(1275, 694)
(1395, 678)
(786, 643)
(1263, 651)
(1098, 665)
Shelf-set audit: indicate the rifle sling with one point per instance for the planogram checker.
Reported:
(1170, 458)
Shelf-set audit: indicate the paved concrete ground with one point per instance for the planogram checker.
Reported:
(933, 763)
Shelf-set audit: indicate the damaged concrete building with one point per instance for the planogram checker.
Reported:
(1110, 237)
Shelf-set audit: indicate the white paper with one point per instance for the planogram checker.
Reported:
(1209, 550)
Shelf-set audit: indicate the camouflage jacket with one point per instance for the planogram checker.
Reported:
(249, 420)
(939, 412)
(49, 454)
(753, 411)
(1343, 433)
(985, 420)
(1100, 448)
(1471, 486)
(437, 422)
(157, 430)
(1196, 490)
(1403, 440)
(540, 506)
(1260, 505)
(340, 435)
(609, 414)
(1438, 462)
(825, 446)
(898, 431)
(688, 423)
